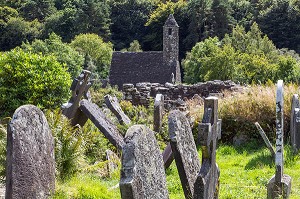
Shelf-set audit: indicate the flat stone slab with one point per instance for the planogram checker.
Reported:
(142, 173)
(113, 104)
(30, 171)
(110, 131)
(184, 151)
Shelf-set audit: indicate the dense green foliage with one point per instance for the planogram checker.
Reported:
(27, 78)
(64, 53)
(247, 57)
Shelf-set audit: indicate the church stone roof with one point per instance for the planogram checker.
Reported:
(135, 67)
(171, 21)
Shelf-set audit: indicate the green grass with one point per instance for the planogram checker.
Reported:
(245, 172)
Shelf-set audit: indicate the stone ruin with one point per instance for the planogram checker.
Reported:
(30, 170)
(174, 95)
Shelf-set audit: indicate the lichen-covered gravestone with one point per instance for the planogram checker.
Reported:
(142, 173)
(295, 123)
(207, 182)
(113, 104)
(30, 171)
(184, 151)
(158, 112)
(279, 184)
(79, 88)
(110, 131)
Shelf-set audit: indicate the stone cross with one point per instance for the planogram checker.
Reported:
(295, 123)
(280, 184)
(30, 169)
(158, 112)
(184, 151)
(110, 131)
(113, 104)
(207, 182)
(79, 88)
(142, 172)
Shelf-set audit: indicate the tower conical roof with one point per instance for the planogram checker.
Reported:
(171, 21)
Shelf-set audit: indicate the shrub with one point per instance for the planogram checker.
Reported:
(27, 78)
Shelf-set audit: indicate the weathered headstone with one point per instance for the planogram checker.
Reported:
(265, 138)
(142, 173)
(295, 123)
(113, 104)
(184, 151)
(207, 182)
(30, 171)
(79, 89)
(280, 184)
(158, 112)
(110, 131)
(113, 161)
(168, 156)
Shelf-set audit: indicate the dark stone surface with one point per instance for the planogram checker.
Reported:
(158, 112)
(207, 183)
(110, 131)
(295, 123)
(184, 151)
(30, 171)
(142, 173)
(79, 88)
(113, 104)
(168, 156)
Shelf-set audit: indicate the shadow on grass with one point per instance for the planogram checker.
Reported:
(259, 161)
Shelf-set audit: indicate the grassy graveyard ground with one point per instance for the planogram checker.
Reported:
(245, 172)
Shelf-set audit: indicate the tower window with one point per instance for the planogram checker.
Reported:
(170, 31)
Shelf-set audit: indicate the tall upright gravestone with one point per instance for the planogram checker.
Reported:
(295, 123)
(30, 171)
(142, 172)
(184, 151)
(207, 182)
(158, 112)
(279, 184)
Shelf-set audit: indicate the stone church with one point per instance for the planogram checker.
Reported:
(152, 66)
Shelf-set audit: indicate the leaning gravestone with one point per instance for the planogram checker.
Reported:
(113, 104)
(207, 182)
(158, 112)
(295, 123)
(280, 184)
(142, 173)
(30, 171)
(184, 151)
(110, 131)
(79, 88)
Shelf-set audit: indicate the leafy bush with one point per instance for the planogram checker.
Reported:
(2, 152)
(27, 78)
(247, 57)
(99, 93)
(68, 144)
(64, 53)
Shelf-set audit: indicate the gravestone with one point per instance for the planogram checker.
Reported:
(113, 161)
(158, 112)
(168, 156)
(30, 171)
(280, 184)
(110, 131)
(79, 89)
(295, 123)
(142, 173)
(184, 151)
(113, 104)
(207, 182)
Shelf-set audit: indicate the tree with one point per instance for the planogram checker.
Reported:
(27, 78)
(37, 9)
(65, 54)
(99, 51)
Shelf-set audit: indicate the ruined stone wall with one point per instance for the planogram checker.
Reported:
(174, 95)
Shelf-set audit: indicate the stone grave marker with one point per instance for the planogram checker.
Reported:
(113, 104)
(295, 123)
(30, 170)
(207, 182)
(158, 112)
(79, 89)
(142, 172)
(279, 184)
(184, 151)
(113, 161)
(168, 156)
(110, 131)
